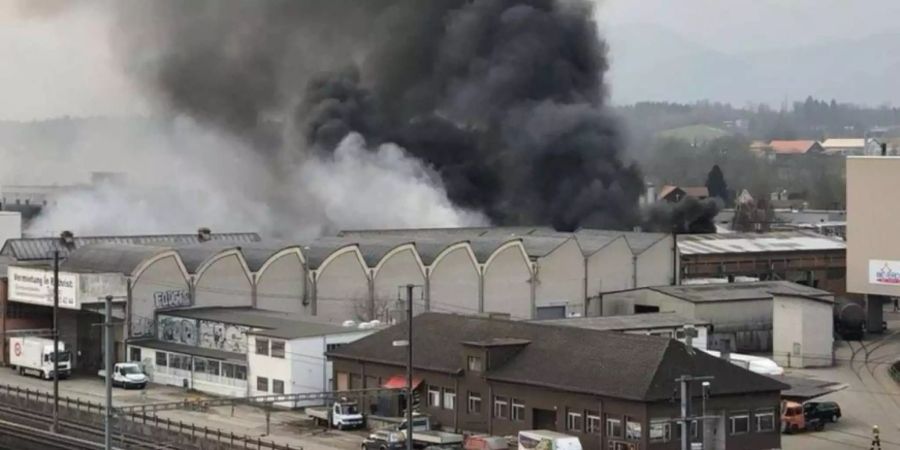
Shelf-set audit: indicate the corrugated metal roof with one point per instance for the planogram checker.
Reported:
(705, 244)
(194, 350)
(34, 249)
(109, 257)
(703, 293)
(629, 322)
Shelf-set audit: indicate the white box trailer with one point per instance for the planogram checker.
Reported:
(34, 356)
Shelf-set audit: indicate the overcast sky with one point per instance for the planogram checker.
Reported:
(742, 25)
(62, 65)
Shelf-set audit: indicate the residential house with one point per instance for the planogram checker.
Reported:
(674, 194)
(848, 147)
(611, 390)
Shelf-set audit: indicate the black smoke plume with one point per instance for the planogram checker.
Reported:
(504, 99)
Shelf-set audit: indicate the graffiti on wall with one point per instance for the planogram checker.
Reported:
(172, 299)
(142, 326)
(223, 336)
(178, 330)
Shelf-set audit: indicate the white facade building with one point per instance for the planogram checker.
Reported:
(771, 316)
(240, 351)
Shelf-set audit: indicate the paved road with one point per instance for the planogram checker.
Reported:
(872, 397)
(287, 427)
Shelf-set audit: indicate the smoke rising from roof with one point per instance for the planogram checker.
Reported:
(475, 109)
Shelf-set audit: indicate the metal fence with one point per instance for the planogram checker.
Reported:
(216, 434)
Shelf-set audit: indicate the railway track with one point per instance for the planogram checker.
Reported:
(41, 438)
(78, 431)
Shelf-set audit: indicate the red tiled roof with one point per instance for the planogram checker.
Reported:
(791, 147)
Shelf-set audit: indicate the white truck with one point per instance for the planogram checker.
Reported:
(547, 440)
(340, 415)
(423, 434)
(34, 356)
(127, 375)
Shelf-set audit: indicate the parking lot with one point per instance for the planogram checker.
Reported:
(871, 397)
(287, 427)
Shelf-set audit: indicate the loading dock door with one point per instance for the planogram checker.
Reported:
(551, 312)
(544, 419)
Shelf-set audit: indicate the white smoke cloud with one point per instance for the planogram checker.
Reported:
(359, 188)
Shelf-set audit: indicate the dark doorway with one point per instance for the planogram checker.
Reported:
(89, 351)
(544, 419)
(641, 309)
(551, 312)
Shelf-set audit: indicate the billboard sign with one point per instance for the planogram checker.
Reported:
(886, 273)
(31, 285)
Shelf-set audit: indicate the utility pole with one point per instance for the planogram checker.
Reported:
(108, 356)
(409, 367)
(55, 426)
(685, 381)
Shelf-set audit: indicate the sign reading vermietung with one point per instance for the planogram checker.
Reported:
(28, 285)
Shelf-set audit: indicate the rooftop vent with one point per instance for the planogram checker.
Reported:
(204, 234)
(67, 238)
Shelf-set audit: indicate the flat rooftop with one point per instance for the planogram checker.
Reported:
(708, 244)
(729, 292)
(262, 322)
(627, 322)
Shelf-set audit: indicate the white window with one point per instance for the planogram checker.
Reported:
(613, 427)
(262, 346)
(449, 398)
(434, 396)
(632, 430)
(501, 407)
(475, 364)
(474, 403)
(740, 422)
(574, 421)
(765, 420)
(278, 349)
(593, 422)
(660, 430)
(518, 410)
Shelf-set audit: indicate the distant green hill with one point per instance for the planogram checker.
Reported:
(695, 134)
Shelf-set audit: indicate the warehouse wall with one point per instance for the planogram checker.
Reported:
(654, 265)
(623, 303)
(163, 277)
(608, 270)
(454, 283)
(560, 278)
(507, 287)
(802, 334)
(398, 269)
(223, 283)
(746, 324)
(342, 288)
(281, 285)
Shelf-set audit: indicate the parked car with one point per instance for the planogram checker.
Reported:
(384, 440)
(127, 375)
(547, 440)
(484, 442)
(794, 419)
(827, 411)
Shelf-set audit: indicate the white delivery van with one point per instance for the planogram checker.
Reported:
(128, 375)
(547, 440)
(34, 355)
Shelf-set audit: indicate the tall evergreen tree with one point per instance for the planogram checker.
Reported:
(715, 183)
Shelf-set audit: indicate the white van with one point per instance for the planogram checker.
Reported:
(547, 440)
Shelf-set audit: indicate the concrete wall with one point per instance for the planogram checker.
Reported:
(398, 269)
(507, 287)
(282, 285)
(871, 225)
(747, 325)
(342, 289)
(559, 279)
(802, 332)
(453, 281)
(654, 265)
(623, 303)
(269, 367)
(162, 276)
(223, 283)
(609, 269)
